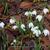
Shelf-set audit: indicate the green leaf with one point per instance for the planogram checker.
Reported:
(37, 47)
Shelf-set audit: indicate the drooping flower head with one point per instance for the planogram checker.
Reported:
(28, 13)
(23, 27)
(12, 21)
(36, 31)
(46, 32)
(14, 41)
(45, 10)
(39, 17)
(34, 12)
(2, 25)
(14, 27)
(30, 25)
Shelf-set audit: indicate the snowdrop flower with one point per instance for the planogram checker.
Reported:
(28, 13)
(45, 10)
(14, 40)
(12, 21)
(36, 31)
(46, 32)
(39, 17)
(34, 12)
(34, 28)
(30, 25)
(2, 25)
(14, 27)
(37, 35)
(39, 32)
(23, 27)
(12, 43)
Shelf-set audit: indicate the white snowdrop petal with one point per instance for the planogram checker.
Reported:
(39, 17)
(27, 13)
(37, 35)
(14, 40)
(45, 10)
(36, 27)
(46, 32)
(12, 21)
(35, 31)
(2, 25)
(39, 32)
(34, 12)
(30, 25)
(12, 43)
(32, 29)
(23, 26)
(30, 13)
(14, 27)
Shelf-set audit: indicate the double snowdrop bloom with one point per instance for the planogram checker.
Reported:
(14, 27)
(34, 12)
(30, 25)
(39, 17)
(34, 28)
(36, 31)
(23, 27)
(2, 25)
(45, 10)
(28, 13)
(12, 21)
(46, 32)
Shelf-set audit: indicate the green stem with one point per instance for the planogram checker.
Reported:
(4, 47)
(14, 47)
(38, 44)
(30, 18)
(6, 6)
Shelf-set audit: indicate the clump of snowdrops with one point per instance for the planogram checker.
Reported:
(33, 28)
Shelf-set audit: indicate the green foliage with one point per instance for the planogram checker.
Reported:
(4, 40)
(38, 47)
(3, 1)
(6, 6)
(37, 44)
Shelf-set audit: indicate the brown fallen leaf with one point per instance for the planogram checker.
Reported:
(47, 22)
(45, 43)
(48, 16)
(10, 1)
(1, 8)
(26, 5)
